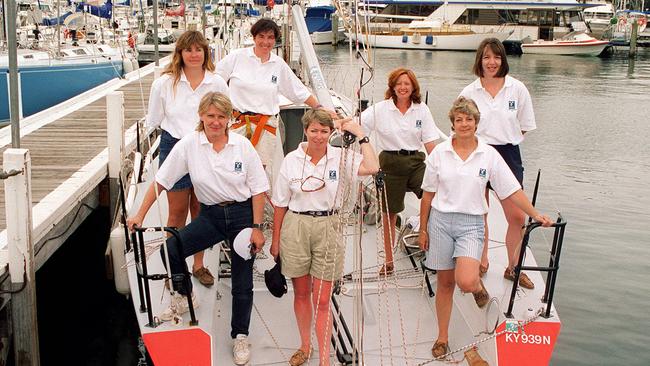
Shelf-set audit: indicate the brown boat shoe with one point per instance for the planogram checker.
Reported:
(524, 280)
(439, 349)
(205, 277)
(481, 296)
(298, 358)
(474, 358)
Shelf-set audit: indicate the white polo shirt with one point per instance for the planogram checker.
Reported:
(177, 111)
(396, 131)
(287, 190)
(504, 116)
(460, 185)
(234, 174)
(256, 86)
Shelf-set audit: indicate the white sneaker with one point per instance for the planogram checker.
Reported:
(178, 306)
(241, 352)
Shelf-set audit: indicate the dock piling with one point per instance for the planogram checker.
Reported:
(115, 132)
(22, 270)
(633, 36)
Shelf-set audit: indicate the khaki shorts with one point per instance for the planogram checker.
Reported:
(266, 145)
(312, 245)
(404, 173)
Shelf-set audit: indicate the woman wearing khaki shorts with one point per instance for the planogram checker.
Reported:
(306, 227)
(402, 124)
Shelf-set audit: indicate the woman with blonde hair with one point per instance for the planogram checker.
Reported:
(452, 209)
(229, 183)
(173, 105)
(403, 124)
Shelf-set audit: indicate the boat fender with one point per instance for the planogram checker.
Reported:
(127, 66)
(405, 38)
(120, 275)
(417, 38)
(429, 40)
(134, 63)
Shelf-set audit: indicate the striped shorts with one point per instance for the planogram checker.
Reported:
(453, 235)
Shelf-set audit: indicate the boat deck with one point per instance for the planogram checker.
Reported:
(68, 148)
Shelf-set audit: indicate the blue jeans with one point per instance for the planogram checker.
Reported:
(215, 224)
(167, 143)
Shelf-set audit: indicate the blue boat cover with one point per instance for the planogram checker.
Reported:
(104, 11)
(319, 18)
(55, 21)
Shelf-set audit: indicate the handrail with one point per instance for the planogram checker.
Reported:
(137, 237)
(551, 269)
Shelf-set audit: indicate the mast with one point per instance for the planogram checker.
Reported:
(13, 74)
(58, 28)
(156, 55)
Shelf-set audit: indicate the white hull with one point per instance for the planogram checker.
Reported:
(452, 42)
(399, 318)
(326, 37)
(562, 49)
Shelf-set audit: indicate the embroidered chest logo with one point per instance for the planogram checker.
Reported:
(332, 175)
(418, 123)
(238, 166)
(482, 173)
(512, 105)
(274, 79)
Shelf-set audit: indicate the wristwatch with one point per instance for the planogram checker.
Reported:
(257, 226)
(364, 140)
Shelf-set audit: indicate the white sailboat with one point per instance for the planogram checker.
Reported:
(376, 319)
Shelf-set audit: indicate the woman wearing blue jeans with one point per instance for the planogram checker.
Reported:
(229, 182)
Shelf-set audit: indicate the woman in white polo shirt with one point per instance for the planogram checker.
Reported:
(257, 77)
(306, 227)
(173, 103)
(402, 124)
(230, 184)
(452, 209)
(506, 115)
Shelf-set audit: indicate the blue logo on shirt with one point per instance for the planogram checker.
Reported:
(418, 123)
(238, 166)
(512, 105)
(332, 175)
(274, 79)
(482, 172)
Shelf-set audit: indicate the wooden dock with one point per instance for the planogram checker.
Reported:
(68, 148)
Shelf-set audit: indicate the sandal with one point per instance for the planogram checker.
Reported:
(205, 277)
(386, 270)
(439, 349)
(298, 358)
(524, 280)
(482, 270)
(474, 358)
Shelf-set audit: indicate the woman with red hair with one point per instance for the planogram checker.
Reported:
(403, 124)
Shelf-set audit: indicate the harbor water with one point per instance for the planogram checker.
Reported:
(592, 146)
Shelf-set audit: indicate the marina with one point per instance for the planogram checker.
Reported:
(71, 177)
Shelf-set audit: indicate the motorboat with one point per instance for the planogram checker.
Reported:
(599, 19)
(572, 44)
(545, 19)
(319, 24)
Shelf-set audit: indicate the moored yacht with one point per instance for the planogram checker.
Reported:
(544, 19)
